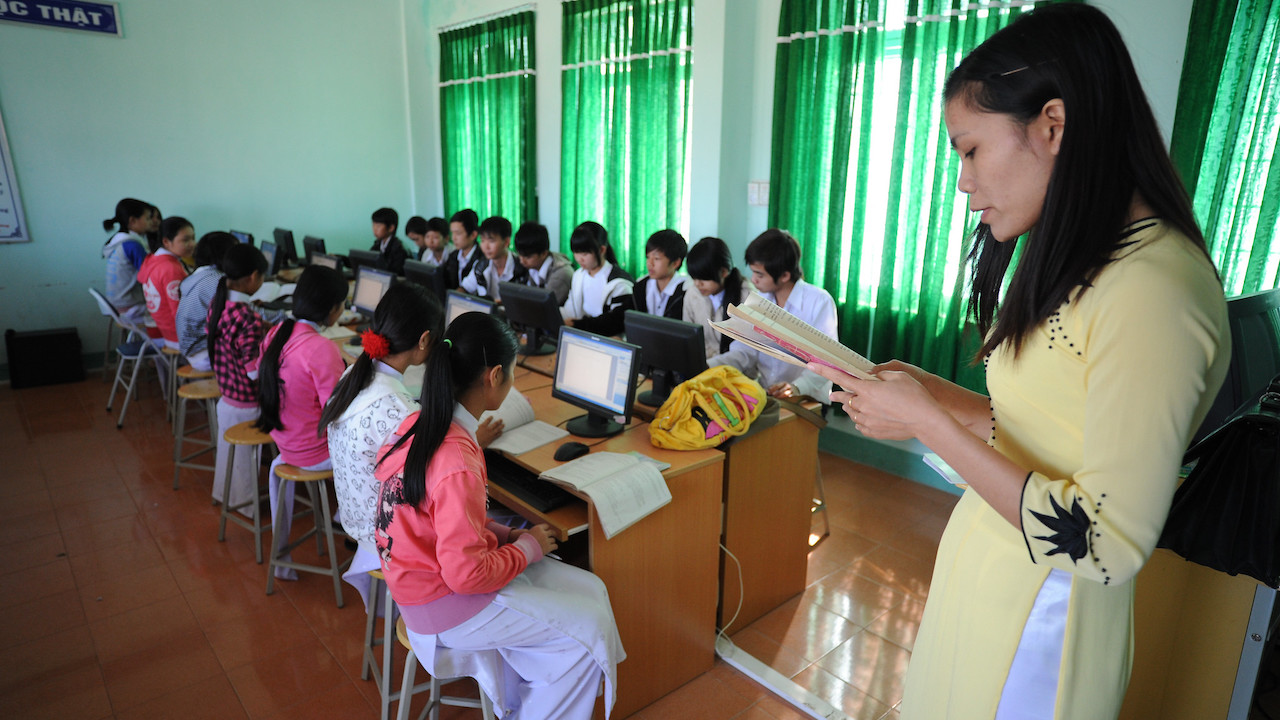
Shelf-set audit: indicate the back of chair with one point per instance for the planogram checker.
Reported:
(110, 311)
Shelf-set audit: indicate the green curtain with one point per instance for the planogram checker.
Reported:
(487, 118)
(863, 173)
(625, 123)
(1224, 136)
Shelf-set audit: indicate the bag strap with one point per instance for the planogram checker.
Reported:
(804, 413)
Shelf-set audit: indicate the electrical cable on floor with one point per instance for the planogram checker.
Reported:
(721, 634)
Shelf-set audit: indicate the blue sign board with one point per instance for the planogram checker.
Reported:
(97, 17)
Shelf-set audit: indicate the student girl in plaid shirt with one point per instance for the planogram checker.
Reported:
(234, 340)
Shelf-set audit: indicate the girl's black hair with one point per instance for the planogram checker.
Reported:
(591, 237)
(1111, 149)
(706, 259)
(212, 247)
(405, 312)
(171, 226)
(319, 290)
(476, 342)
(239, 262)
(126, 209)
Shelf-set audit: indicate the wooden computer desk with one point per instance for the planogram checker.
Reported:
(661, 572)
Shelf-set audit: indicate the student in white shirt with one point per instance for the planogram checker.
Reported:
(599, 286)
(774, 259)
(718, 284)
(464, 227)
(547, 269)
(429, 236)
(497, 265)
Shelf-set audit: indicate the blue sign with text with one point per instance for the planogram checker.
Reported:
(97, 17)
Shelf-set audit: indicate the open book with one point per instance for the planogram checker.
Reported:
(521, 431)
(273, 291)
(764, 326)
(623, 488)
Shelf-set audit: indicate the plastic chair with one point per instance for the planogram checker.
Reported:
(317, 484)
(135, 349)
(250, 437)
(207, 392)
(435, 699)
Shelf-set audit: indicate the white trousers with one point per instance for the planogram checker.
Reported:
(244, 476)
(281, 538)
(200, 361)
(539, 650)
(1031, 690)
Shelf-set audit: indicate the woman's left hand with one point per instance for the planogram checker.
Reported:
(893, 407)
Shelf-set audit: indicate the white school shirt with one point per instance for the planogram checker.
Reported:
(491, 279)
(657, 299)
(425, 255)
(464, 258)
(593, 290)
(811, 304)
(538, 276)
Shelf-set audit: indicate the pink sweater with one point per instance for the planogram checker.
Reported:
(443, 560)
(310, 365)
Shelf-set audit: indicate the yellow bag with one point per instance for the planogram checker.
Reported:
(707, 409)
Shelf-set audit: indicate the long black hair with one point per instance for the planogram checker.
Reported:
(1111, 148)
(319, 290)
(212, 247)
(591, 237)
(126, 210)
(238, 262)
(475, 343)
(405, 312)
(706, 259)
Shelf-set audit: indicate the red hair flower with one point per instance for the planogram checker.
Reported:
(375, 346)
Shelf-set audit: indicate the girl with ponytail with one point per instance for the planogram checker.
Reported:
(297, 372)
(465, 583)
(124, 252)
(234, 341)
(719, 285)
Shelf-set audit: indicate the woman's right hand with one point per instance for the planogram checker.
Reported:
(547, 541)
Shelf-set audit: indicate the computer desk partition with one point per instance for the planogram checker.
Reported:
(767, 483)
(661, 572)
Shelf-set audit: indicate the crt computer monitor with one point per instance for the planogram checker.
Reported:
(273, 257)
(457, 303)
(242, 236)
(597, 374)
(1255, 356)
(285, 247)
(534, 310)
(312, 246)
(371, 285)
(431, 277)
(362, 258)
(672, 349)
(329, 261)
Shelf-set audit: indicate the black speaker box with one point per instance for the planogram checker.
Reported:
(43, 357)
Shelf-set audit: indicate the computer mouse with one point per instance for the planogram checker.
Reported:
(571, 450)
(355, 340)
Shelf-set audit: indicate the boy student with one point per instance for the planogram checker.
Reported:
(661, 292)
(429, 236)
(385, 223)
(464, 226)
(497, 265)
(774, 259)
(550, 270)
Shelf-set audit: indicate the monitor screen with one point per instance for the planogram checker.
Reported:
(284, 245)
(431, 277)
(598, 374)
(672, 349)
(243, 236)
(312, 246)
(362, 258)
(371, 285)
(457, 303)
(534, 311)
(329, 261)
(273, 262)
(1254, 320)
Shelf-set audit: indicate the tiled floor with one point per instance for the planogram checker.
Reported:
(118, 601)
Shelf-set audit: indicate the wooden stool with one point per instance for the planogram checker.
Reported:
(205, 391)
(254, 439)
(317, 482)
(434, 699)
(185, 374)
(381, 673)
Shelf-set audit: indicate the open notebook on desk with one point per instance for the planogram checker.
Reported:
(624, 488)
(521, 432)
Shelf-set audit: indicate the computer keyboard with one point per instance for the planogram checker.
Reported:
(524, 484)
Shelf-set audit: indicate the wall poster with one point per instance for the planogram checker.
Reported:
(13, 228)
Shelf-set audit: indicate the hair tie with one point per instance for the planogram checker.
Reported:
(375, 345)
(448, 342)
